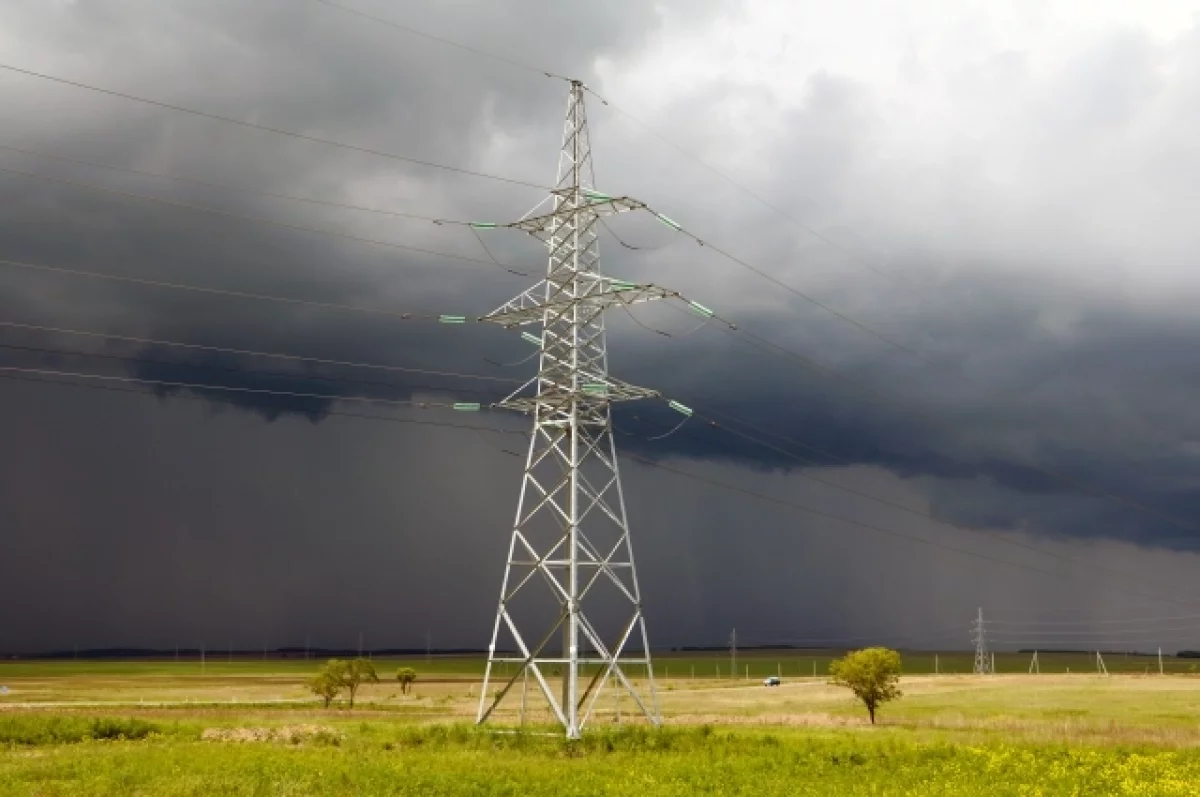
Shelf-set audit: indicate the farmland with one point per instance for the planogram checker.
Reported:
(248, 726)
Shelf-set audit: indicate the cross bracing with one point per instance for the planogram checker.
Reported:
(570, 604)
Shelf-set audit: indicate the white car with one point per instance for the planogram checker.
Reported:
(772, 681)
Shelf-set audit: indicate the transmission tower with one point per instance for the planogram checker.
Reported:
(983, 662)
(570, 570)
(733, 653)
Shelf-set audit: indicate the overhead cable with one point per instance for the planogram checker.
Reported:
(907, 404)
(39, 375)
(269, 129)
(259, 219)
(180, 286)
(644, 125)
(253, 353)
(870, 527)
(200, 386)
(134, 391)
(234, 188)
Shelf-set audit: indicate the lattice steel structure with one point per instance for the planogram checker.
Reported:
(983, 662)
(570, 571)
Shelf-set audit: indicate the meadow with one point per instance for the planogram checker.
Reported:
(248, 727)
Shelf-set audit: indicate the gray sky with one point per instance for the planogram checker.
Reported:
(1005, 194)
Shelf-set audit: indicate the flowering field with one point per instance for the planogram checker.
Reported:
(83, 729)
(376, 757)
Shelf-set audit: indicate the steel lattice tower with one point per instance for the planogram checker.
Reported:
(570, 567)
(983, 662)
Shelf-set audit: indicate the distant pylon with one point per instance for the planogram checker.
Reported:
(983, 662)
(1100, 668)
(1034, 666)
(571, 536)
(733, 653)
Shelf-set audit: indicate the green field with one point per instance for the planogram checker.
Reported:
(248, 727)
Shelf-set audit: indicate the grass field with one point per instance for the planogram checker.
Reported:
(248, 727)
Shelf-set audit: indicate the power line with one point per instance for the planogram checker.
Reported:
(802, 295)
(1074, 482)
(1095, 634)
(234, 188)
(910, 510)
(340, 413)
(866, 526)
(644, 125)
(698, 415)
(806, 362)
(440, 40)
(269, 129)
(181, 286)
(34, 375)
(162, 383)
(253, 353)
(258, 219)
(1110, 621)
(760, 272)
(230, 369)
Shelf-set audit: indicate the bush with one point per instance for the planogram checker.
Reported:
(34, 731)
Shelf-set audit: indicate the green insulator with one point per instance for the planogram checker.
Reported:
(680, 408)
(669, 222)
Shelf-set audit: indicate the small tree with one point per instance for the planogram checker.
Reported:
(327, 683)
(406, 676)
(355, 673)
(872, 674)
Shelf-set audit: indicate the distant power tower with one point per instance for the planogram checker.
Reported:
(733, 653)
(570, 567)
(983, 662)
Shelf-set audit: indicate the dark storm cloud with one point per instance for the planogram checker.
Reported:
(207, 505)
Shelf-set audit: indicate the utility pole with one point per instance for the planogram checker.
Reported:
(936, 667)
(1160, 667)
(733, 653)
(983, 662)
(571, 531)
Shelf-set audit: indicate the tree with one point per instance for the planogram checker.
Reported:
(327, 683)
(355, 673)
(406, 675)
(873, 675)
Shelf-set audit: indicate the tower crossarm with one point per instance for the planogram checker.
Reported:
(592, 395)
(595, 204)
(548, 301)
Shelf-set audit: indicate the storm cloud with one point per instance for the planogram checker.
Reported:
(1001, 201)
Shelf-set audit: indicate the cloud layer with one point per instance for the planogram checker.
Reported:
(1002, 198)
